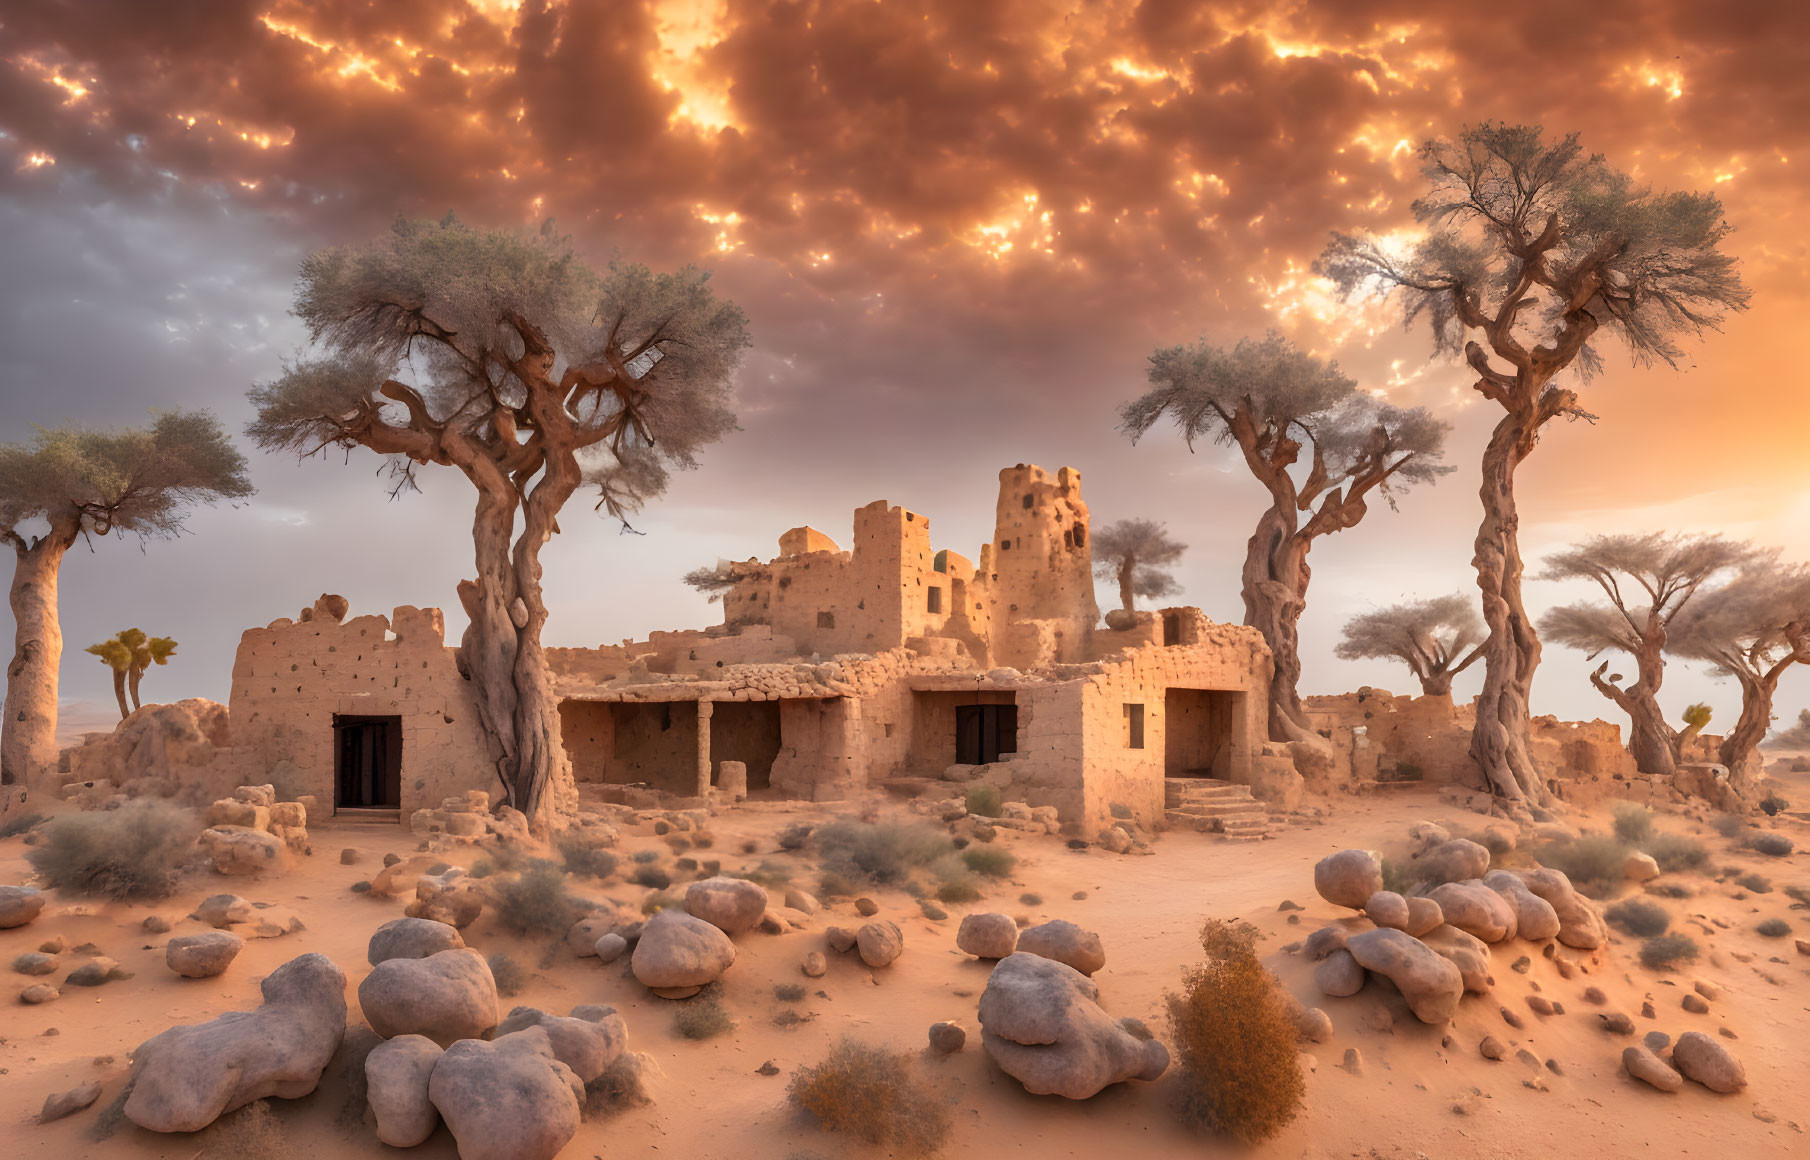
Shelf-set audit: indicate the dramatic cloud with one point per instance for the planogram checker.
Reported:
(958, 229)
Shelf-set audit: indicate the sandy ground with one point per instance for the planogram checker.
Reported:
(711, 1101)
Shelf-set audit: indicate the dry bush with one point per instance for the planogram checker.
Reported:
(1798, 894)
(622, 1085)
(1593, 862)
(871, 1093)
(984, 800)
(794, 836)
(19, 823)
(1030, 898)
(132, 854)
(1235, 1040)
(883, 853)
(652, 876)
(1772, 805)
(509, 974)
(536, 902)
(958, 890)
(1668, 890)
(769, 873)
(1633, 824)
(585, 858)
(789, 992)
(1728, 825)
(993, 861)
(1758, 883)
(1770, 844)
(1774, 928)
(1675, 852)
(642, 857)
(1638, 917)
(703, 1016)
(1668, 950)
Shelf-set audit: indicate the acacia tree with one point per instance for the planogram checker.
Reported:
(1437, 639)
(1648, 581)
(1752, 629)
(507, 357)
(71, 482)
(1278, 404)
(1532, 251)
(1136, 554)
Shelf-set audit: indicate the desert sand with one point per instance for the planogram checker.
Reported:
(1411, 1097)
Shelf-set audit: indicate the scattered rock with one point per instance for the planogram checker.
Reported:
(155, 924)
(1700, 1058)
(814, 964)
(1656, 1040)
(987, 936)
(244, 850)
(947, 1038)
(1640, 867)
(1540, 1005)
(411, 938)
(1387, 908)
(802, 901)
(610, 947)
(588, 1041)
(1454, 860)
(19, 905)
(39, 993)
(1512, 1019)
(510, 1099)
(1616, 1022)
(732, 905)
(1353, 1061)
(1595, 995)
(839, 939)
(880, 942)
(677, 954)
(1535, 919)
(69, 1103)
(202, 956)
(1339, 975)
(1491, 1048)
(397, 1073)
(1430, 983)
(349, 857)
(866, 907)
(187, 1077)
(1042, 1024)
(1313, 1024)
(1695, 1005)
(446, 996)
(35, 963)
(451, 896)
(1580, 925)
(1475, 909)
(94, 972)
(1349, 877)
(1467, 952)
(1066, 943)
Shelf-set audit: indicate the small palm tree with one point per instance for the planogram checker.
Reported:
(129, 653)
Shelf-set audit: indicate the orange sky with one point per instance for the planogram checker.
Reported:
(958, 228)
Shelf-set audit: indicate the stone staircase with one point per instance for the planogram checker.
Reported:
(1211, 806)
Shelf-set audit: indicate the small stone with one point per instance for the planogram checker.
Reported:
(1703, 987)
(814, 964)
(1565, 966)
(1491, 1048)
(1616, 1023)
(1648, 1068)
(202, 956)
(1314, 1025)
(867, 907)
(948, 1038)
(1539, 1005)
(1354, 1061)
(838, 938)
(1512, 1019)
(1726, 1033)
(1558, 1008)
(1695, 1005)
(1079, 896)
(94, 972)
(1527, 1057)
(348, 857)
(68, 1103)
(156, 924)
(1521, 965)
(611, 947)
(880, 943)
(55, 945)
(1646, 1010)
(1552, 1065)
(1595, 995)
(1656, 1040)
(35, 964)
(38, 993)
(391, 859)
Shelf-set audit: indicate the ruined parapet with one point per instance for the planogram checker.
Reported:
(799, 541)
(1039, 567)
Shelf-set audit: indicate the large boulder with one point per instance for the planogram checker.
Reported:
(987, 936)
(187, 1077)
(397, 1073)
(1475, 909)
(588, 1041)
(678, 955)
(1535, 919)
(1349, 877)
(1041, 1022)
(510, 1099)
(243, 850)
(1339, 975)
(1454, 860)
(879, 942)
(446, 996)
(202, 956)
(1066, 943)
(1467, 952)
(732, 905)
(1699, 1057)
(1580, 923)
(19, 905)
(411, 938)
(1430, 983)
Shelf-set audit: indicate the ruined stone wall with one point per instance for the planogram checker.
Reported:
(1039, 567)
(291, 678)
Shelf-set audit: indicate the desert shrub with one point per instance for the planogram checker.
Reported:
(642, 857)
(583, 858)
(622, 1085)
(1675, 852)
(662, 899)
(1772, 805)
(1728, 825)
(1235, 1041)
(1030, 898)
(770, 873)
(649, 875)
(1499, 843)
(1758, 883)
(794, 836)
(1668, 950)
(984, 800)
(1593, 862)
(482, 868)
(1768, 843)
(883, 853)
(1633, 824)
(18, 824)
(677, 843)
(131, 854)
(789, 992)
(1774, 928)
(871, 1093)
(535, 902)
(1638, 917)
(1668, 890)
(509, 975)
(685, 863)
(993, 861)
(1401, 877)
(1798, 894)
(958, 890)
(750, 847)
(703, 1016)
(703, 839)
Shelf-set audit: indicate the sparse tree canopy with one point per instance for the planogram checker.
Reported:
(1318, 445)
(1136, 555)
(508, 357)
(1437, 639)
(1752, 629)
(1647, 580)
(70, 482)
(1795, 737)
(1532, 252)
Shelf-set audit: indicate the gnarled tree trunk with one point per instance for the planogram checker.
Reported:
(1740, 749)
(488, 648)
(1499, 742)
(28, 733)
(544, 771)
(1651, 741)
(132, 678)
(1436, 685)
(1275, 594)
(1125, 584)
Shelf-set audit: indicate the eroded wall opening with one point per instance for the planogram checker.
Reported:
(1199, 729)
(588, 732)
(748, 732)
(950, 728)
(367, 763)
(628, 742)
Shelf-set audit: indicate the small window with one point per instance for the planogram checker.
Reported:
(826, 620)
(1134, 726)
(1080, 535)
(1029, 502)
(1005, 545)
(1068, 539)
(934, 602)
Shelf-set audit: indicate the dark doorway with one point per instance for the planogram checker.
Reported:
(983, 732)
(748, 732)
(367, 763)
(1199, 726)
